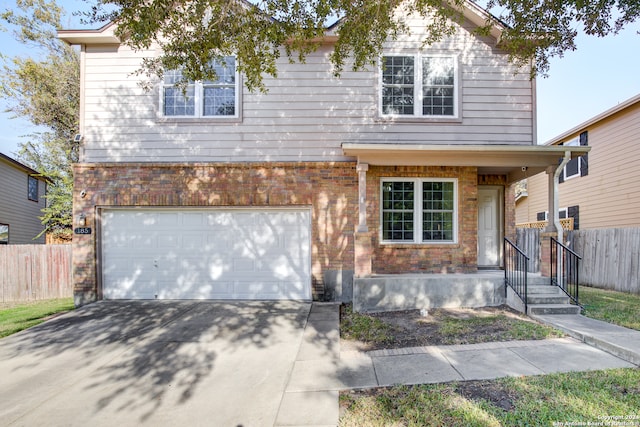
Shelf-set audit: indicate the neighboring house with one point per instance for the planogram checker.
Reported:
(22, 198)
(402, 168)
(599, 190)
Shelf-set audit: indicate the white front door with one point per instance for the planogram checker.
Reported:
(489, 226)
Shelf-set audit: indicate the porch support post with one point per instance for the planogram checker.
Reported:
(363, 244)
(363, 252)
(553, 200)
(362, 169)
(554, 228)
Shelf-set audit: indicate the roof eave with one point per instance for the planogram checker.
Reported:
(25, 168)
(103, 35)
(595, 119)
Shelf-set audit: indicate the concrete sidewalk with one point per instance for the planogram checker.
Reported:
(316, 405)
(322, 370)
(614, 339)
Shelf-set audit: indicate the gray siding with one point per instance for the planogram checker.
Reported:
(15, 207)
(307, 112)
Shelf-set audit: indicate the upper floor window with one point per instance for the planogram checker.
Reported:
(572, 169)
(32, 190)
(419, 210)
(580, 165)
(4, 234)
(419, 86)
(207, 98)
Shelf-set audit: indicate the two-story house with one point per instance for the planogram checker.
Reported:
(298, 192)
(22, 198)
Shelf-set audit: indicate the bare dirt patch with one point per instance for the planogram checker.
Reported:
(411, 328)
(491, 391)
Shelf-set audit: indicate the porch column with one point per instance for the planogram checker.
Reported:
(363, 252)
(363, 245)
(545, 252)
(553, 200)
(553, 229)
(362, 169)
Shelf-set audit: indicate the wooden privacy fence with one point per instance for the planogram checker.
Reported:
(610, 257)
(35, 272)
(528, 240)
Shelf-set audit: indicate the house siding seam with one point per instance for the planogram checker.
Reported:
(329, 189)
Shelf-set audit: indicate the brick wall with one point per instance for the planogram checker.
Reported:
(433, 258)
(330, 189)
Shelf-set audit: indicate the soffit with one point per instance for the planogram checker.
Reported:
(517, 162)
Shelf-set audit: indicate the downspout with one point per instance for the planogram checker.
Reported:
(556, 197)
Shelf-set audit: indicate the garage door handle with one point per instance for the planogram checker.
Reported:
(155, 262)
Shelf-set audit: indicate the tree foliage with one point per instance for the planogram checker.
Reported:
(44, 88)
(190, 33)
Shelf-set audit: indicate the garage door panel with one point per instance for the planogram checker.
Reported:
(124, 240)
(130, 277)
(243, 265)
(131, 289)
(218, 254)
(265, 289)
(193, 219)
(192, 242)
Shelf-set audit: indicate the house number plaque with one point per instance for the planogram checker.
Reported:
(82, 230)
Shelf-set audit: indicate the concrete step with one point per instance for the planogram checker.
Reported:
(540, 309)
(547, 299)
(538, 280)
(543, 289)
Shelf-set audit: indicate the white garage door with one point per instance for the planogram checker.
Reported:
(206, 254)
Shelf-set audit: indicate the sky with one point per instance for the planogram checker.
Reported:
(598, 75)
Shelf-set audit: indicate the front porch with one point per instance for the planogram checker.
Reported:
(391, 292)
(399, 265)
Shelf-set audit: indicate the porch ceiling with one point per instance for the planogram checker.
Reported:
(489, 159)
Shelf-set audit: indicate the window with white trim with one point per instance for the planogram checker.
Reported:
(417, 210)
(572, 169)
(419, 86)
(4, 234)
(563, 213)
(207, 98)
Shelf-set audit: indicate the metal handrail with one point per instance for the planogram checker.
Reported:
(516, 266)
(565, 268)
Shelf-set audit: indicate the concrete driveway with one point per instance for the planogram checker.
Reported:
(153, 363)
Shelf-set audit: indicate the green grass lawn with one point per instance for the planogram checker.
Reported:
(364, 328)
(614, 307)
(498, 328)
(577, 397)
(23, 316)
